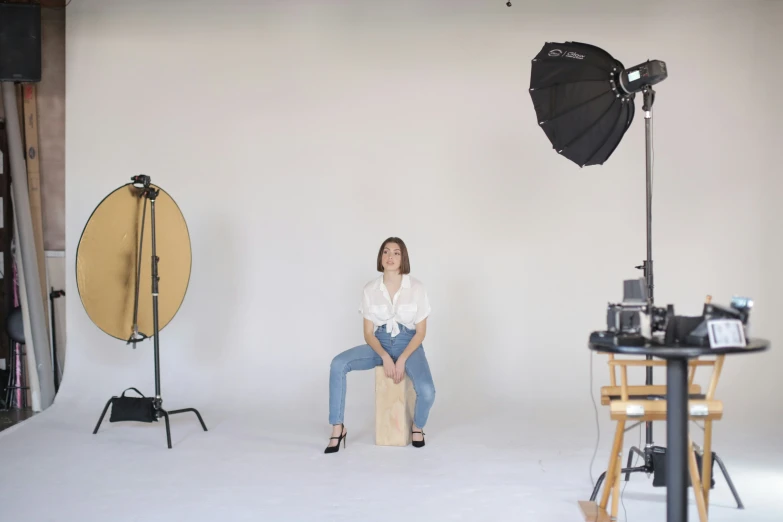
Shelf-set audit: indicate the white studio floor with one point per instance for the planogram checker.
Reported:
(255, 467)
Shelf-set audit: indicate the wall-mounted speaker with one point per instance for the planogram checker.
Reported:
(20, 42)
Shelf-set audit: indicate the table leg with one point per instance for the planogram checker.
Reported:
(677, 440)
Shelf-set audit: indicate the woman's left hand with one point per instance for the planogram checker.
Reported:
(399, 370)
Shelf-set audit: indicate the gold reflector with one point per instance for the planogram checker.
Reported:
(107, 261)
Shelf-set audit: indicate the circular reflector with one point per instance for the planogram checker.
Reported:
(110, 267)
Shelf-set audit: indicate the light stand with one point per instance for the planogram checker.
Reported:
(648, 95)
(650, 449)
(54, 294)
(150, 194)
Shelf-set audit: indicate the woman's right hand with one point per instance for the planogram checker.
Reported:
(388, 367)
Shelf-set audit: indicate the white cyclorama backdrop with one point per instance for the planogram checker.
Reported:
(296, 136)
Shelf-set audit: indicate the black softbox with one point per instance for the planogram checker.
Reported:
(574, 87)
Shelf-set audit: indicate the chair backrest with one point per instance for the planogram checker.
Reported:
(625, 389)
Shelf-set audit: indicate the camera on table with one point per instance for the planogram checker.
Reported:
(634, 321)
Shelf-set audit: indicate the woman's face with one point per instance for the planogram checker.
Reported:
(392, 257)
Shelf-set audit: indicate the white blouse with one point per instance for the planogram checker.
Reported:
(409, 306)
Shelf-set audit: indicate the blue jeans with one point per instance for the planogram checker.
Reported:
(363, 357)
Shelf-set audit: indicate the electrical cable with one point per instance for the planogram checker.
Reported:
(597, 424)
(625, 512)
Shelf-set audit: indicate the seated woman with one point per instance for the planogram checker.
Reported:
(395, 309)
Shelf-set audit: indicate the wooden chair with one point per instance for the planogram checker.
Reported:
(647, 403)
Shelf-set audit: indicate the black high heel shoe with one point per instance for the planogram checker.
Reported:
(342, 438)
(418, 443)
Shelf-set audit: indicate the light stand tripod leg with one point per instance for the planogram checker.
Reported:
(194, 410)
(168, 428)
(105, 409)
(601, 478)
(728, 481)
(637, 451)
(597, 486)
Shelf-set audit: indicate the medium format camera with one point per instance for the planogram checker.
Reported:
(635, 319)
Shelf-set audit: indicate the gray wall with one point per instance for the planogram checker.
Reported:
(296, 136)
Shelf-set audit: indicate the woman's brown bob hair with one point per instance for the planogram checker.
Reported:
(405, 264)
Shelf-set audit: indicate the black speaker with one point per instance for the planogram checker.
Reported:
(20, 42)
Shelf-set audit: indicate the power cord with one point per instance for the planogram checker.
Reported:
(598, 439)
(597, 424)
(625, 512)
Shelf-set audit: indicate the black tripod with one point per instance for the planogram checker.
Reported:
(146, 409)
(650, 449)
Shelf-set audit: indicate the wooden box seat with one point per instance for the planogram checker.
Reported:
(394, 405)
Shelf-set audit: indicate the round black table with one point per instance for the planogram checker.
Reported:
(676, 406)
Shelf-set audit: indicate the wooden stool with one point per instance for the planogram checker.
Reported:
(394, 405)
